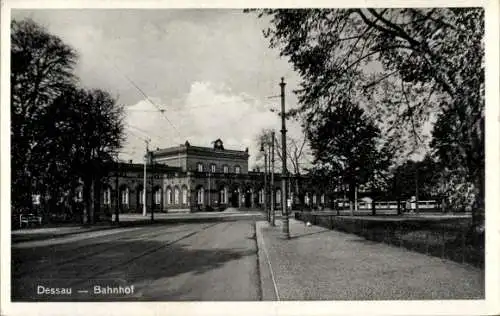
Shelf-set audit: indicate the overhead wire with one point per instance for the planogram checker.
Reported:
(161, 111)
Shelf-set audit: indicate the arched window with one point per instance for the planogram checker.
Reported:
(184, 195)
(124, 195)
(176, 195)
(226, 169)
(199, 167)
(140, 195)
(199, 194)
(237, 169)
(169, 196)
(261, 196)
(158, 196)
(223, 196)
(107, 196)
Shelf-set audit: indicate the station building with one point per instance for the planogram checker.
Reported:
(189, 178)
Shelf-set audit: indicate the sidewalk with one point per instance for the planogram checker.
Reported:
(321, 264)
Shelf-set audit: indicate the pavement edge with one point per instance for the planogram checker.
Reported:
(265, 274)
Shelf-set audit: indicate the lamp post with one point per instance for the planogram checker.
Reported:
(284, 176)
(146, 157)
(151, 163)
(272, 211)
(265, 181)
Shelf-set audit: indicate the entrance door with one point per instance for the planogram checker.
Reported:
(235, 196)
(248, 199)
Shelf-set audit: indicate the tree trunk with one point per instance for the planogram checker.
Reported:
(352, 188)
(97, 200)
(90, 212)
(478, 210)
(87, 203)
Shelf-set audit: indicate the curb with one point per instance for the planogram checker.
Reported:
(267, 290)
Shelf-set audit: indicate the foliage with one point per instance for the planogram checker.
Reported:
(425, 174)
(405, 65)
(41, 67)
(346, 142)
(61, 134)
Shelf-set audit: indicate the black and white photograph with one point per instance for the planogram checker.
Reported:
(250, 154)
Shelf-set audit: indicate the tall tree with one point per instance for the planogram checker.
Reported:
(347, 143)
(425, 174)
(433, 60)
(96, 124)
(61, 134)
(41, 68)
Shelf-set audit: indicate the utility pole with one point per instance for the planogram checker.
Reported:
(152, 186)
(146, 157)
(284, 191)
(265, 186)
(209, 189)
(272, 181)
(263, 150)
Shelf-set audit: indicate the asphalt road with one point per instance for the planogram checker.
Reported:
(182, 262)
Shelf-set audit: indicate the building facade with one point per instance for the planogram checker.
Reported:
(190, 178)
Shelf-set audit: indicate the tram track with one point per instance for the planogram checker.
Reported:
(143, 254)
(97, 249)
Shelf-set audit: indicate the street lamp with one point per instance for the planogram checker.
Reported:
(265, 180)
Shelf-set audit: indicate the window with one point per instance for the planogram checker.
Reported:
(107, 196)
(176, 195)
(158, 197)
(237, 169)
(261, 196)
(200, 167)
(314, 199)
(124, 196)
(141, 196)
(226, 169)
(278, 197)
(169, 196)
(200, 195)
(212, 168)
(322, 199)
(306, 199)
(184, 195)
(223, 195)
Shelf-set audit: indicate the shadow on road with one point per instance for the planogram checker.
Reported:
(130, 261)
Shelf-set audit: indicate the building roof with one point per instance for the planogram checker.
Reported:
(140, 167)
(217, 150)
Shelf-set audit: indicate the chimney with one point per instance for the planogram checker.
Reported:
(130, 161)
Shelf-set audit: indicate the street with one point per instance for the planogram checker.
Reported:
(183, 262)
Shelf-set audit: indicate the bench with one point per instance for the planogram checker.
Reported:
(29, 219)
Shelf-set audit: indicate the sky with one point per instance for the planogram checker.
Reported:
(211, 71)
